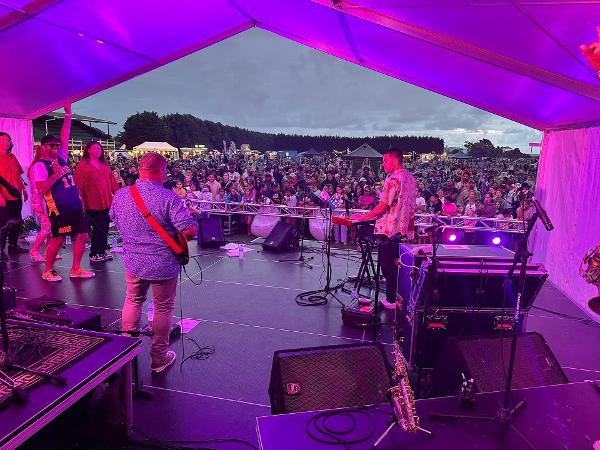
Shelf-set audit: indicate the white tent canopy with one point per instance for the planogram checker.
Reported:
(155, 147)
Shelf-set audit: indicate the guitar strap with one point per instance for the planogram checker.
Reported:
(137, 198)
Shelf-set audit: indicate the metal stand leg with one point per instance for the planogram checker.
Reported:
(128, 395)
(391, 426)
(385, 433)
(138, 389)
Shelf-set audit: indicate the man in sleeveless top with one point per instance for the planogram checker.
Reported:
(56, 184)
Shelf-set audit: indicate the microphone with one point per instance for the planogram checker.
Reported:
(542, 214)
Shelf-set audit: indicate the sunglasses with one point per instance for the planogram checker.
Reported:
(53, 145)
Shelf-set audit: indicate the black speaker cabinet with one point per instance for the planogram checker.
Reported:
(317, 378)
(210, 232)
(485, 359)
(283, 237)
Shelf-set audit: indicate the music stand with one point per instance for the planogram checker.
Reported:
(504, 414)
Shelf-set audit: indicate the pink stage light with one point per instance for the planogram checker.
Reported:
(452, 237)
(496, 240)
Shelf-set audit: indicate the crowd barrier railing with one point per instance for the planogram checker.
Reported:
(422, 220)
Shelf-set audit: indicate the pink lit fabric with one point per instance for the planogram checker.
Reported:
(568, 188)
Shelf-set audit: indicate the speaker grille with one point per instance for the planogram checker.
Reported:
(328, 377)
(486, 358)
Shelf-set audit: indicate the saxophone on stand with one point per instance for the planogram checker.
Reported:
(589, 269)
(401, 397)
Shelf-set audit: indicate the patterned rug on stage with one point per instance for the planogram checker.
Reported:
(45, 350)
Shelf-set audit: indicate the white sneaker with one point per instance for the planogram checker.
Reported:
(169, 360)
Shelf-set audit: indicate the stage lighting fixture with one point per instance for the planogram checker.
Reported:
(496, 240)
(452, 237)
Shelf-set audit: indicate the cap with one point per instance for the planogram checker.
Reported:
(49, 138)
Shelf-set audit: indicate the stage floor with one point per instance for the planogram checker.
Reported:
(247, 311)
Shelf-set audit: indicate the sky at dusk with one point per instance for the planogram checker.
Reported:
(262, 82)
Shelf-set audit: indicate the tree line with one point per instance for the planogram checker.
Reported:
(186, 130)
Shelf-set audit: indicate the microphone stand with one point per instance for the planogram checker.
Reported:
(138, 384)
(301, 260)
(320, 296)
(505, 413)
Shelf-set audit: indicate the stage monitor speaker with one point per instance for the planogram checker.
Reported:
(282, 237)
(311, 379)
(485, 359)
(210, 232)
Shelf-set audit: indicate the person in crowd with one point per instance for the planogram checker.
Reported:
(525, 211)
(420, 204)
(449, 207)
(394, 214)
(96, 184)
(180, 190)
(55, 181)
(149, 262)
(213, 184)
(435, 204)
(119, 178)
(488, 209)
(471, 203)
(11, 171)
(367, 200)
(232, 195)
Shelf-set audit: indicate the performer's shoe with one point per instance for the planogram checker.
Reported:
(169, 360)
(51, 275)
(81, 273)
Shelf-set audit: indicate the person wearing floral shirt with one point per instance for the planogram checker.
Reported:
(395, 214)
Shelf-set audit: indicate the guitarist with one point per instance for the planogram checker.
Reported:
(149, 261)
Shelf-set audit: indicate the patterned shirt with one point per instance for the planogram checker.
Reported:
(145, 254)
(399, 193)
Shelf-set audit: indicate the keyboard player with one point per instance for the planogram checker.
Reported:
(394, 214)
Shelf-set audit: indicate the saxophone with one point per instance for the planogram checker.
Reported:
(401, 395)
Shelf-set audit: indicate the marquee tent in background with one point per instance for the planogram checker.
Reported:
(364, 151)
(517, 59)
(459, 155)
(164, 148)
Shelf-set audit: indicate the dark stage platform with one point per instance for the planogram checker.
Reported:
(247, 311)
(561, 411)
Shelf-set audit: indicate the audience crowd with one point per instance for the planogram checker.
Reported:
(477, 187)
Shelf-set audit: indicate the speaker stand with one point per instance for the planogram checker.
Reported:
(301, 260)
(504, 414)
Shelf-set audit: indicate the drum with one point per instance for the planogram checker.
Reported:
(263, 225)
(317, 226)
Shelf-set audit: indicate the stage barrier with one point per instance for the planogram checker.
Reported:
(317, 214)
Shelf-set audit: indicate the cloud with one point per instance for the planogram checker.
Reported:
(263, 82)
